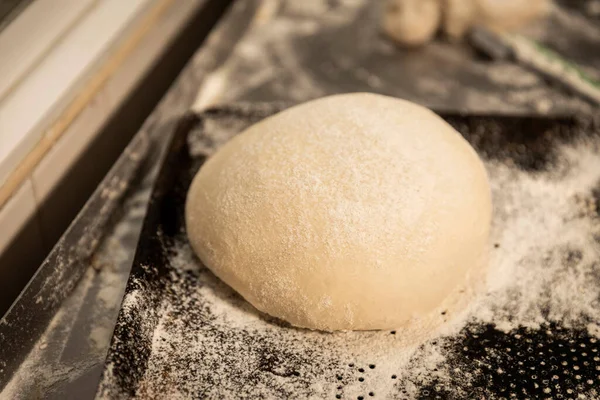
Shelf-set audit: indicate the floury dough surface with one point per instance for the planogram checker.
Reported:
(533, 334)
(350, 212)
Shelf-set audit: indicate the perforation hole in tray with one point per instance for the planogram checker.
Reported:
(550, 362)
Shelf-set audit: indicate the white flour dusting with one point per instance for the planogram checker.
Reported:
(542, 289)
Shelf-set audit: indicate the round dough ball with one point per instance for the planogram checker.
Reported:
(411, 22)
(350, 212)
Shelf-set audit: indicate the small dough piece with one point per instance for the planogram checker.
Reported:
(510, 14)
(350, 212)
(411, 22)
(461, 15)
(458, 17)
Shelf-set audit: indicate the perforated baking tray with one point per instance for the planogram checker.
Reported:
(533, 334)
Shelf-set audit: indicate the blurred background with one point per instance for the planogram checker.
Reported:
(84, 83)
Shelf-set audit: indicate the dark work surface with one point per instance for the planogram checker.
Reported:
(290, 51)
(588, 8)
(301, 50)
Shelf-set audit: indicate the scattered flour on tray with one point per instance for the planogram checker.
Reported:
(544, 270)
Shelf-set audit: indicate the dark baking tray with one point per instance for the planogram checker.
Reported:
(524, 140)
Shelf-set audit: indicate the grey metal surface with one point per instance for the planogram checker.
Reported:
(61, 204)
(301, 50)
(85, 319)
(289, 51)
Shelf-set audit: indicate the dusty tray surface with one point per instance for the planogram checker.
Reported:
(182, 332)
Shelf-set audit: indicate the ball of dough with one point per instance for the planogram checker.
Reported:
(411, 22)
(350, 212)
